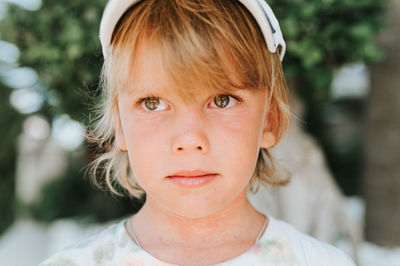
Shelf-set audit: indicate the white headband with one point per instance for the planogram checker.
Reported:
(261, 11)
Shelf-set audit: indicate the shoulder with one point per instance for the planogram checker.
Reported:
(95, 250)
(300, 249)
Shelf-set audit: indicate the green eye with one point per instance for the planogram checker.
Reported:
(221, 101)
(152, 103)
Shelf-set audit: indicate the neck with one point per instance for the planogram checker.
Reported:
(236, 222)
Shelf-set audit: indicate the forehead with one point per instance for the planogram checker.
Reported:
(152, 69)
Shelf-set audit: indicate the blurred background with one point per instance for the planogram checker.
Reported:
(343, 68)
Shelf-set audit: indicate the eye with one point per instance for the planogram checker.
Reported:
(224, 101)
(153, 104)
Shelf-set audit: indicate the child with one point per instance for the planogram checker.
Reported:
(194, 97)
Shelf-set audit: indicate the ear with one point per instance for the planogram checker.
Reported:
(120, 137)
(268, 138)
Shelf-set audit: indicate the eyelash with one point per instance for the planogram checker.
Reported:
(141, 100)
(235, 97)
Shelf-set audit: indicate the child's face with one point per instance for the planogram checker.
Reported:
(164, 135)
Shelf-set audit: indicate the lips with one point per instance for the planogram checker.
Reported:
(191, 174)
(191, 179)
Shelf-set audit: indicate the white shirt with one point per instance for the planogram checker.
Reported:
(281, 244)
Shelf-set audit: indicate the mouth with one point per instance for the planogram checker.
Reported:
(192, 179)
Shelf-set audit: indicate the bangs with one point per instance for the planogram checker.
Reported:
(202, 44)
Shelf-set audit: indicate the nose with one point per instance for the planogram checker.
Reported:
(189, 135)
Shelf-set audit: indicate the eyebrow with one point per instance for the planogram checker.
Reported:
(143, 90)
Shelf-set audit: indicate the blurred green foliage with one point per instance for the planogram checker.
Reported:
(60, 41)
(76, 198)
(10, 127)
(324, 34)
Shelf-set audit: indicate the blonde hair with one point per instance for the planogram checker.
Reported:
(199, 40)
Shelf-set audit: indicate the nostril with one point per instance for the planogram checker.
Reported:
(197, 148)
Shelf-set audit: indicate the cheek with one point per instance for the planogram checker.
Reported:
(145, 156)
(239, 139)
(242, 131)
(144, 141)
(142, 133)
